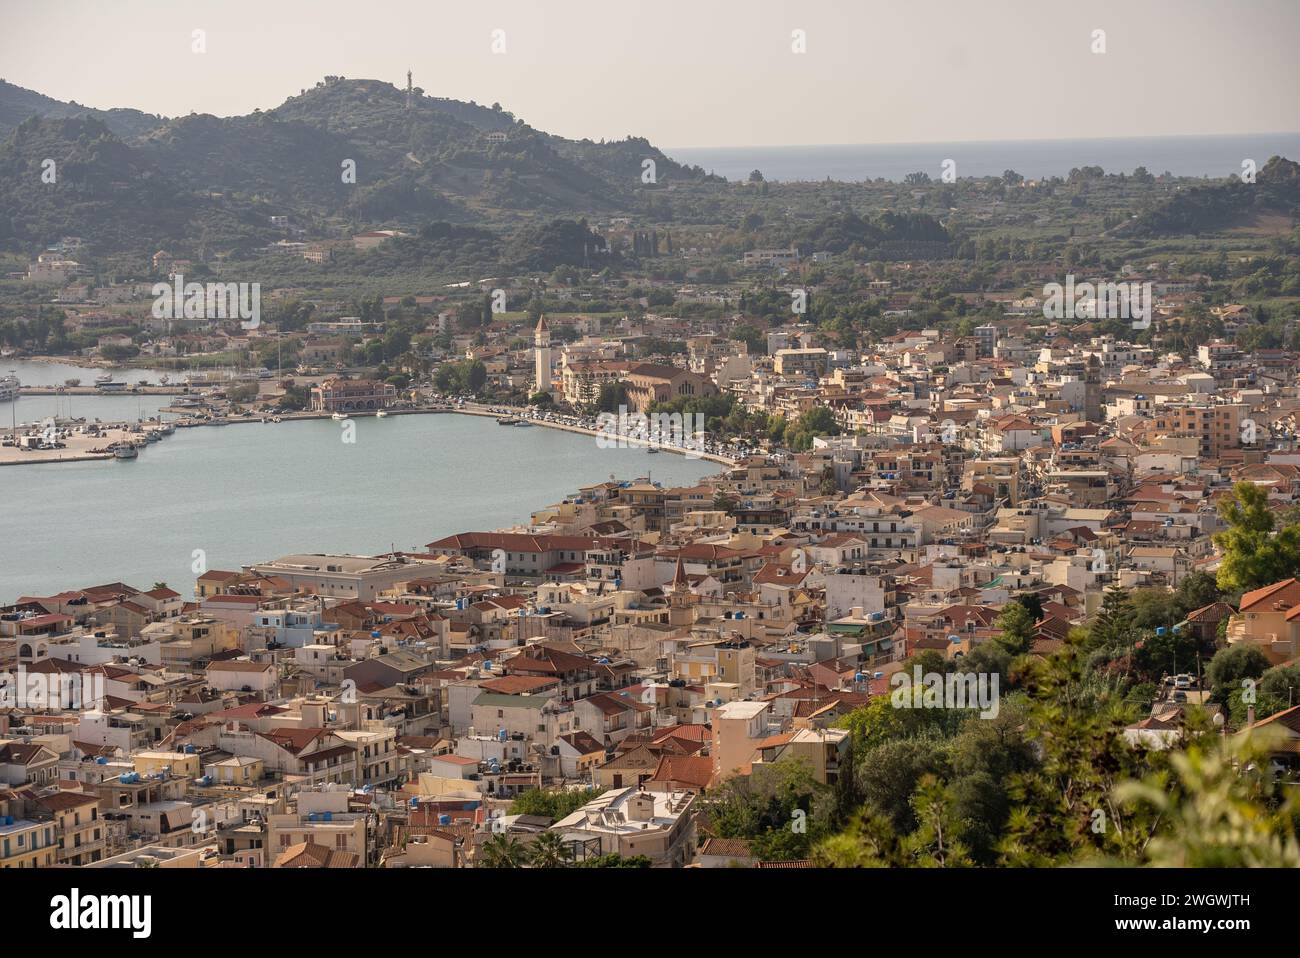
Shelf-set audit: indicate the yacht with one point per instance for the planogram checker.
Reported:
(101, 380)
(338, 417)
(10, 387)
(124, 450)
(507, 421)
(381, 414)
(523, 422)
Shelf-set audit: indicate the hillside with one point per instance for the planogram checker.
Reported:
(18, 104)
(106, 192)
(1226, 204)
(427, 160)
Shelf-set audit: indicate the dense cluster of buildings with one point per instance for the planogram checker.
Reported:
(646, 641)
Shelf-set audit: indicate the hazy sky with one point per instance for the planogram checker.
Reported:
(699, 72)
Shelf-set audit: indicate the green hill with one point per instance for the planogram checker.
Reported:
(18, 104)
(417, 160)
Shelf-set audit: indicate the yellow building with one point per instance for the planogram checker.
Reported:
(27, 844)
(81, 835)
(178, 763)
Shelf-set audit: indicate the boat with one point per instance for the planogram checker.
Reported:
(153, 435)
(338, 417)
(652, 449)
(381, 414)
(10, 388)
(101, 380)
(523, 422)
(163, 380)
(507, 421)
(166, 429)
(124, 450)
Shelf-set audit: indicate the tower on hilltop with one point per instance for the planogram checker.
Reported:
(410, 90)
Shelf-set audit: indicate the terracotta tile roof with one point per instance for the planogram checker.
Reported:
(692, 770)
(311, 855)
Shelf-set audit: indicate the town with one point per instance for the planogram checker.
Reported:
(720, 448)
(607, 681)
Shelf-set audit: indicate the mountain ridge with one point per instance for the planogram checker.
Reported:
(417, 158)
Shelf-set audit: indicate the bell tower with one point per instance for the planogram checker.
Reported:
(542, 356)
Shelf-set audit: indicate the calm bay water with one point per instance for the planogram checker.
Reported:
(253, 492)
(31, 409)
(1212, 156)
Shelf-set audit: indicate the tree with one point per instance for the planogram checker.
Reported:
(615, 861)
(552, 803)
(476, 376)
(1166, 654)
(612, 397)
(1195, 591)
(1065, 808)
(781, 806)
(1017, 627)
(1033, 605)
(935, 844)
(1111, 628)
(1254, 555)
(549, 851)
(503, 851)
(1279, 688)
(888, 776)
(1232, 664)
(1223, 809)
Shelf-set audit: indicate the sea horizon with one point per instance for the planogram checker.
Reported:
(1198, 155)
